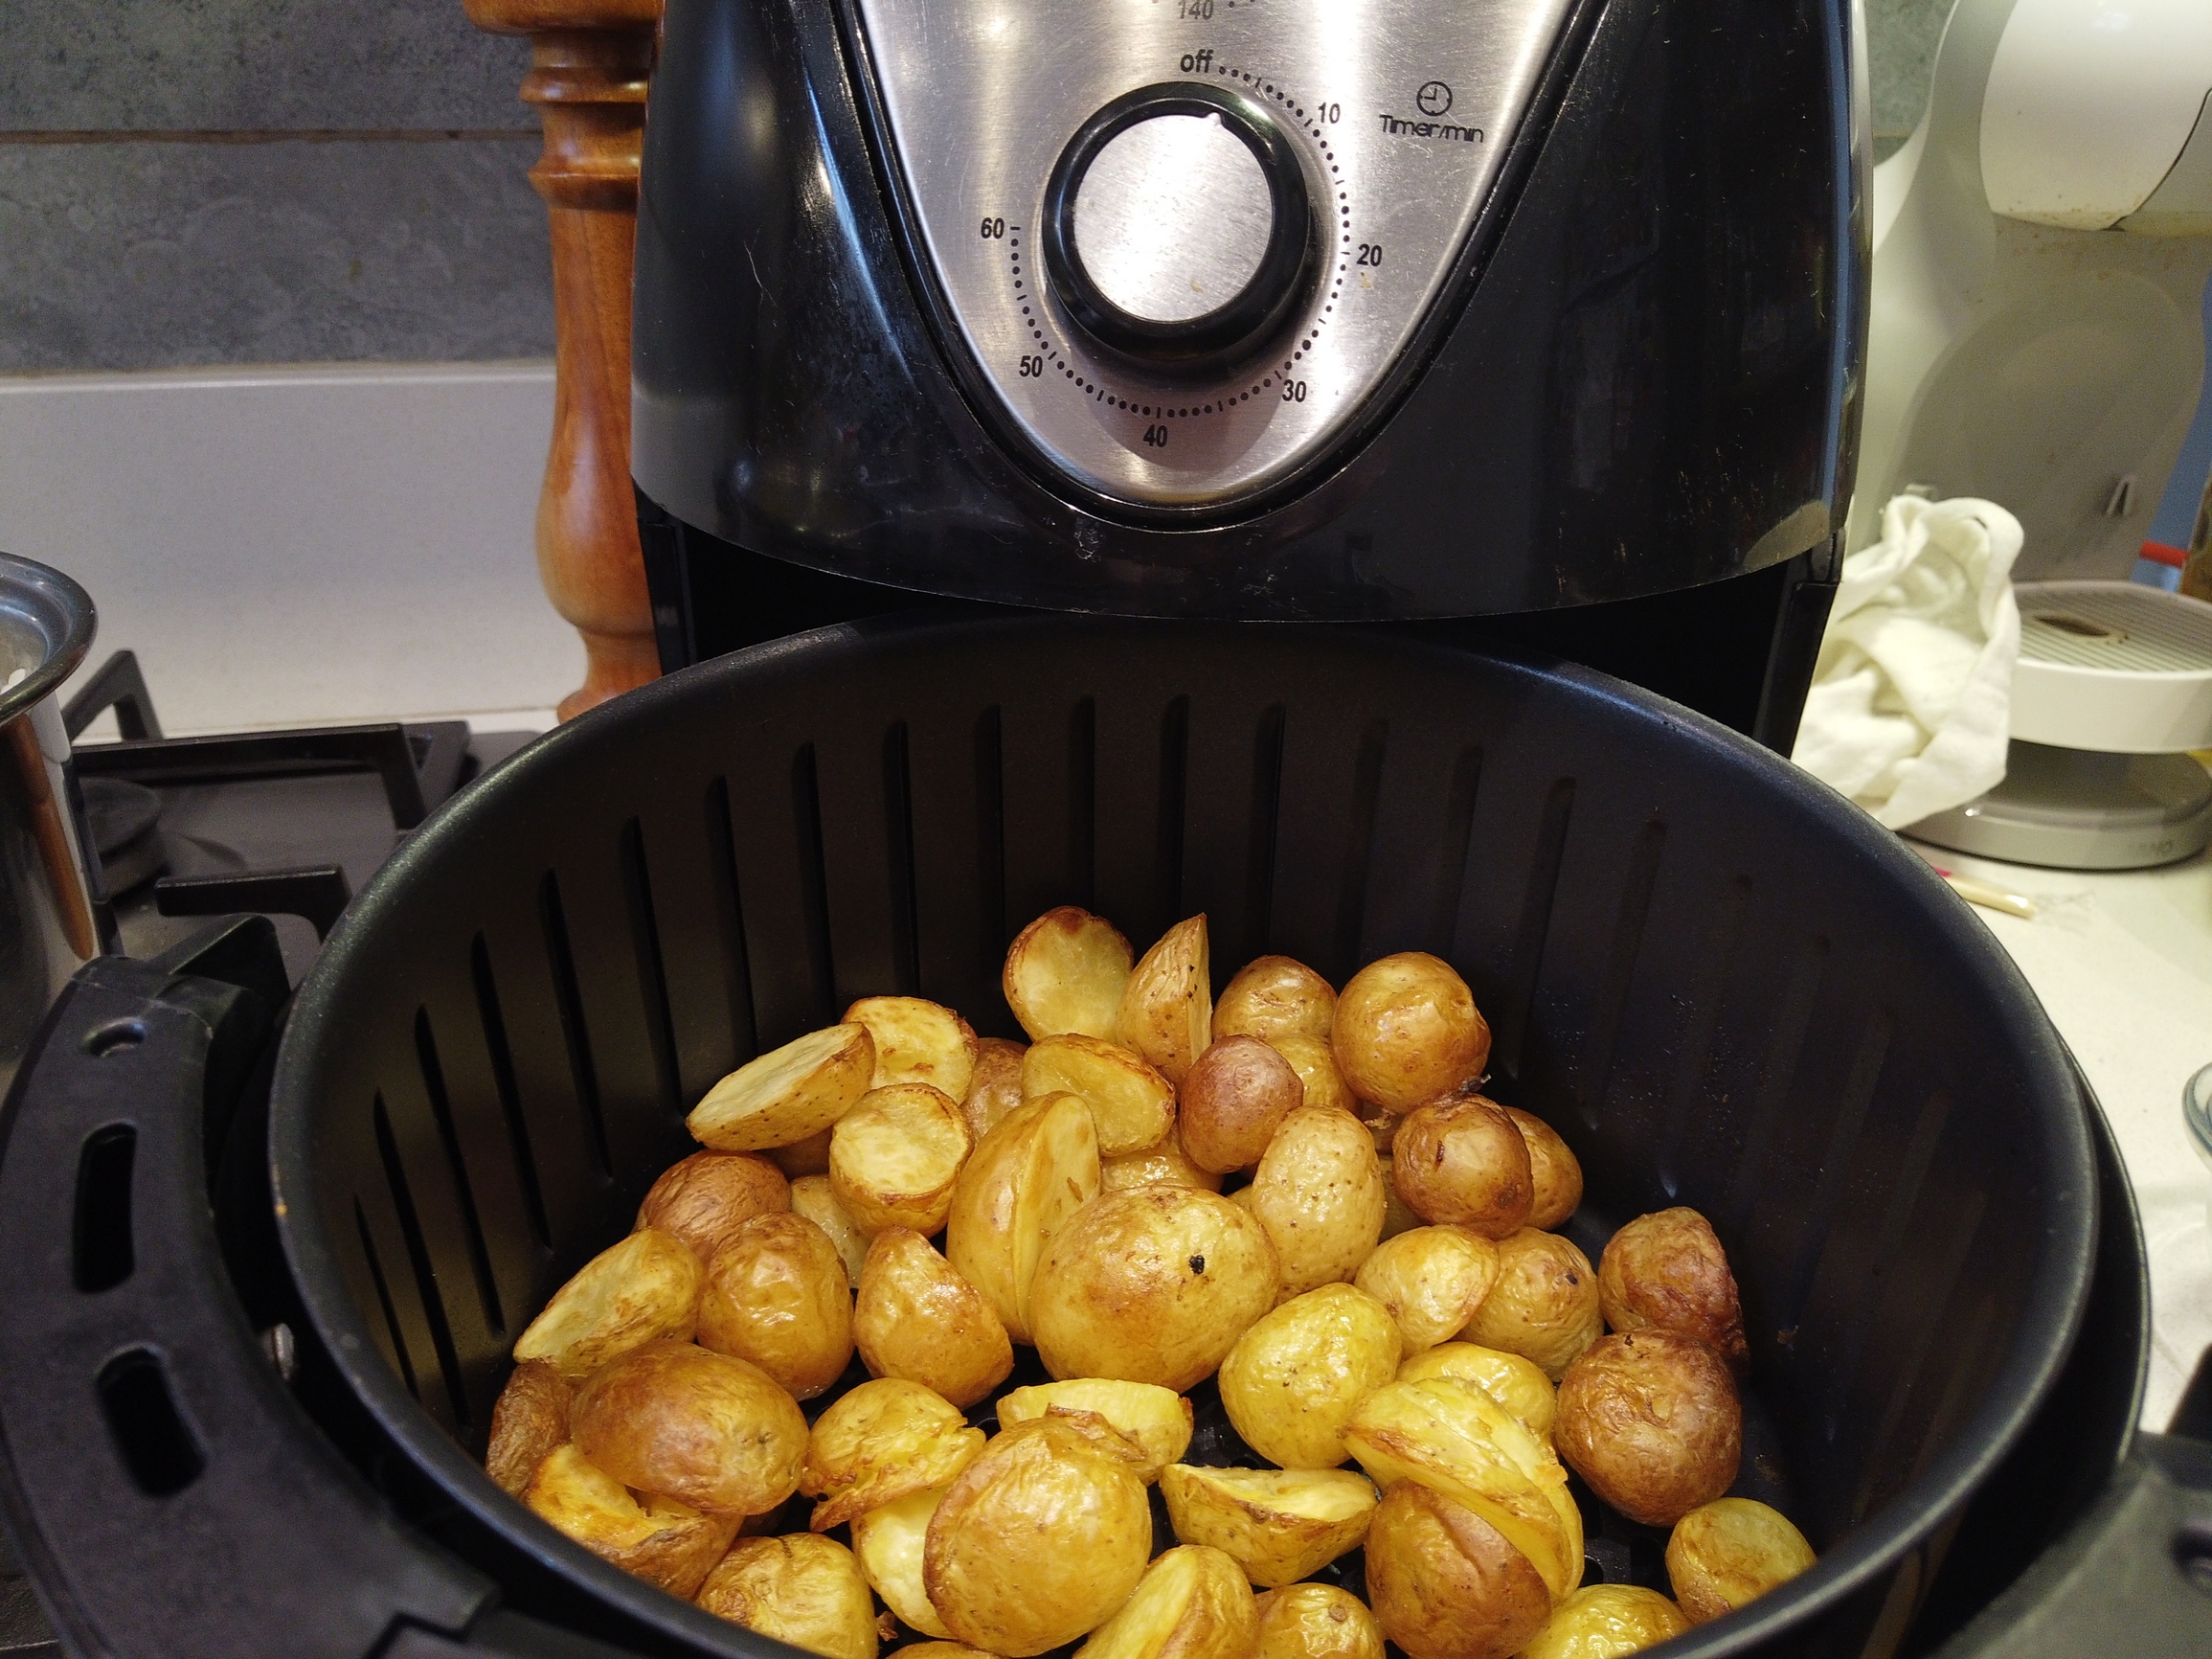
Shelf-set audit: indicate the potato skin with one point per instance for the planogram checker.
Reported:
(1666, 1272)
(1407, 1030)
(1544, 1305)
(1292, 1382)
(704, 1198)
(801, 1158)
(815, 1198)
(1316, 1621)
(787, 1094)
(641, 1290)
(1192, 1603)
(1167, 1012)
(1652, 1421)
(1066, 972)
(1236, 1096)
(1606, 1622)
(917, 1318)
(1397, 1219)
(1444, 1582)
(1151, 1285)
(801, 1589)
(1462, 1161)
(996, 1088)
(703, 1428)
(1276, 996)
(894, 1158)
(1318, 1192)
(777, 1296)
(878, 1442)
(1278, 1525)
(1516, 1383)
(1553, 1168)
(1316, 1064)
(1033, 1172)
(662, 1542)
(1431, 1279)
(918, 1041)
(1731, 1552)
(1166, 1163)
(1158, 1420)
(531, 1420)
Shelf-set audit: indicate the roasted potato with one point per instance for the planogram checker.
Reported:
(1167, 1012)
(702, 1428)
(1166, 1162)
(1151, 1285)
(996, 1088)
(1316, 1064)
(1667, 1271)
(1462, 1161)
(657, 1539)
(1038, 1540)
(787, 1094)
(1236, 1096)
(1191, 1603)
(1553, 1169)
(1157, 1419)
(1731, 1552)
(1066, 972)
(1290, 1383)
(889, 1540)
(1382, 1124)
(918, 1041)
(1318, 1192)
(702, 1199)
(801, 1589)
(1450, 1437)
(642, 1289)
(879, 1442)
(777, 1296)
(1652, 1421)
(1517, 1384)
(894, 1157)
(917, 1318)
(1276, 996)
(1316, 1621)
(528, 1422)
(803, 1158)
(1407, 1030)
(1396, 1218)
(1278, 1525)
(1026, 1178)
(815, 1198)
(1544, 1305)
(1606, 1622)
(1431, 1279)
(942, 1651)
(1133, 1105)
(1445, 1584)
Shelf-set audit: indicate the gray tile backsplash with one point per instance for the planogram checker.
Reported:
(1900, 40)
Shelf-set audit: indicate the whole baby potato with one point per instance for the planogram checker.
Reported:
(1731, 1552)
(1318, 1192)
(528, 1422)
(704, 1198)
(1431, 1279)
(894, 1157)
(1292, 1382)
(801, 1589)
(1460, 1160)
(1237, 1094)
(1553, 1168)
(1396, 1218)
(1166, 1162)
(1151, 1285)
(1167, 1012)
(941, 1651)
(1035, 1170)
(1445, 1584)
(996, 1088)
(1192, 1603)
(1038, 1541)
(815, 1198)
(917, 1042)
(807, 1157)
(703, 1428)
(787, 1094)
(1316, 1621)
(1544, 1305)
(879, 1442)
(1666, 1272)
(653, 1538)
(1278, 1525)
(1066, 972)
(777, 1296)
(1276, 996)
(641, 1290)
(1316, 1064)
(917, 1318)
(1407, 1030)
(1132, 1104)
(1605, 1622)
(1652, 1421)
(890, 1539)
(1157, 1419)
(1517, 1384)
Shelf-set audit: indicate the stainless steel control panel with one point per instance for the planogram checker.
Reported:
(1398, 112)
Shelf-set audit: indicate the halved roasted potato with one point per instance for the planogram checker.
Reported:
(1666, 1272)
(1235, 1098)
(1293, 1382)
(1278, 1525)
(1407, 1030)
(1462, 1161)
(1731, 1552)
(1032, 1172)
(1652, 1421)
(918, 1041)
(1607, 1622)
(1166, 1162)
(787, 1094)
(1167, 1012)
(889, 1539)
(1514, 1382)
(777, 1296)
(529, 1421)
(1316, 1064)
(1544, 1304)
(702, 1199)
(917, 1318)
(877, 1443)
(1552, 1166)
(642, 1289)
(702, 1428)
(656, 1539)
(1156, 1418)
(1316, 1621)
(801, 1589)
(894, 1157)
(1192, 1603)
(996, 1088)
(1318, 1192)
(1276, 996)
(1444, 1581)
(1066, 972)
(815, 1198)
(1133, 1105)
(1431, 1279)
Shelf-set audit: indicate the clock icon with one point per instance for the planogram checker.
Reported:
(1434, 97)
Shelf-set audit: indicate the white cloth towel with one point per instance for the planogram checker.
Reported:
(1911, 698)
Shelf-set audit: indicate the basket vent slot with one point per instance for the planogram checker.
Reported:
(1837, 1157)
(101, 1251)
(991, 837)
(1174, 796)
(1964, 1343)
(1360, 844)
(729, 913)
(1778, 1072)
(1688, 1084)
(390, 1313)
(898, 846)
(157, 1445)
(569, 997)
(418, 1259)
(1511, 1029)
(652, 970)
(813, 881)
(1083, 803)
(1451, 849)
(501, 1059)
(1636, 894)
(463, 1193)
(1266, 831)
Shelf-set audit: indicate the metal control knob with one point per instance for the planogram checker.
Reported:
(1177, 227)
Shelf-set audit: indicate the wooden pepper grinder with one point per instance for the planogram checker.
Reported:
(590, 60)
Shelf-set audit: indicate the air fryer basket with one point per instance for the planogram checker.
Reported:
(1725, 986)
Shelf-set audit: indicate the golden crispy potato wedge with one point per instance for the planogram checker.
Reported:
(1444, 1581)
(996, 1088)
(1317, 1622)
(917, 1318)
(801, 1158)
(1517, 1384)
(1652, 1421)
(1316, 1064)
(1278, 1525)
(1192, 1603)
(1456, 1439)
(656, 1539)
(1133, 1105)
(1318, 1192)
(1157, 1419)
(1150, 1284)
(1396, 1218)
(1731, 1552)
(642, 1289)
(1235, 1098)
(1166, 1163)
(787, 1094)
(1552, 1166)
(1038, 1540)
(889, 1540)
(1407, 1030)
(1544, 1304)
(815, 1198)
(1290, 1383)
(1032, 1172)
(1066, 972)
(703, 1428)
(702, 1199)
(1167, 1012)
(1276, 996)
(879, 1442)
(1605, 1622)
(894, 1157)
(529, 1421)
(1460, 1161)
(801, 1589)
(777, 1297)
(1666, 1272)
(1431, 1279)
(918, 1041)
